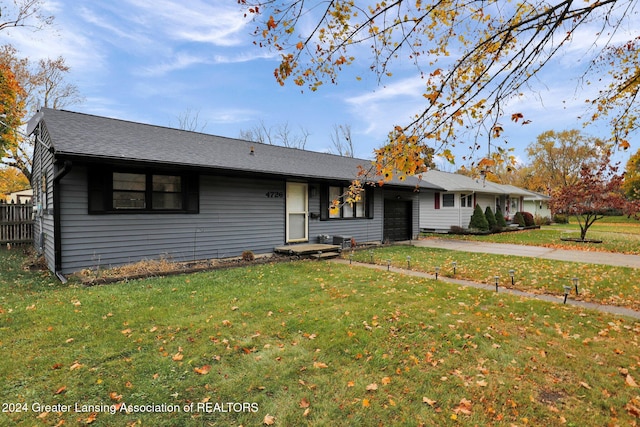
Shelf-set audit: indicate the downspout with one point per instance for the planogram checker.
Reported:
(57, 238)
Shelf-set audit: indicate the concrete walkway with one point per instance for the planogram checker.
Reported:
(558, 299)
(608, 258)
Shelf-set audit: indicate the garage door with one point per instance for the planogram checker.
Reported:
(397, 220)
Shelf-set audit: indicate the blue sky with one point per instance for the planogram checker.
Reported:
(152, 61)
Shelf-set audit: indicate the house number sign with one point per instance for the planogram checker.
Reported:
(275, 194)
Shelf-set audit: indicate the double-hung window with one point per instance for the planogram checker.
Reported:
(466, 201)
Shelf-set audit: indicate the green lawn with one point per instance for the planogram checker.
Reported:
(622, 237)
(601, 284)
(306, 343)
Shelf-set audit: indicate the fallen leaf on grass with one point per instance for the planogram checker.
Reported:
(633, 407)
(91, 418)
(61, 390)
(177, 357)
(372, 387)
(75, 366)
(630, 381)
(386, 380)
(464, 407)
(269, 420)
(204, 370)
(428, 401)
(585, 385)
(304, 403)
(320, 365)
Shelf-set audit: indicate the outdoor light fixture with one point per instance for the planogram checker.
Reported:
(408, 262)
(567, 291)
(388, 264)
(575, 284)
(454, 267)
(371, 256)
(497, 280)
(350, 258)
(512, 273)
(437, 271)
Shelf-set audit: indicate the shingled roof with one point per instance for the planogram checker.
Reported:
(83, 136)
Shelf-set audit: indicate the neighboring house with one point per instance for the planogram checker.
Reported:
(537, 204)
(439, 211)
(112, 192)
(20, 197)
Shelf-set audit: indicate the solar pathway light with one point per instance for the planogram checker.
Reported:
(497, 281)
(454, 264)
(575, 284)
(437, 271)
(567, 291)
(512, 273)
(408, 262)
(371, 256)
(350, 258)
(388, 264)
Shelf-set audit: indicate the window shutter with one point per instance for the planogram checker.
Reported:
(324, 202)
(192, 193)
(369, 195)
(436, 201)
(98, 190)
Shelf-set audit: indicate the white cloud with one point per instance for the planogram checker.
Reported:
(393, 104)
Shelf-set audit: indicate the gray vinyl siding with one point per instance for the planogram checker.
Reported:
(43, 171)
(235, 215)
(361, 229)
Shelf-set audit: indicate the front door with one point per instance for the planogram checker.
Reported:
(297, 212)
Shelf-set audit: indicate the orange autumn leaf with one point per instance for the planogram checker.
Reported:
(630, 381)
(428, 401)
(204, 370)
(269, 420)
(304, 403)
(365, 403)
(61, 390)
(91, 418)
(320, 365)
(464, 407)
(386, 380)
(177, 357)
(115, 396)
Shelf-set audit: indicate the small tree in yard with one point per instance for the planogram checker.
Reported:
(597, 191)
(491, 218)
(478, 220)
(500, 221)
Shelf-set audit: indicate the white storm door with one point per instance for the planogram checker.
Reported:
(297, 212)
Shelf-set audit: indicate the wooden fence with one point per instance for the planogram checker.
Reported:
(16, 225)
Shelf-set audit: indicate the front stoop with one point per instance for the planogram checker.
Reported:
(310, 250)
